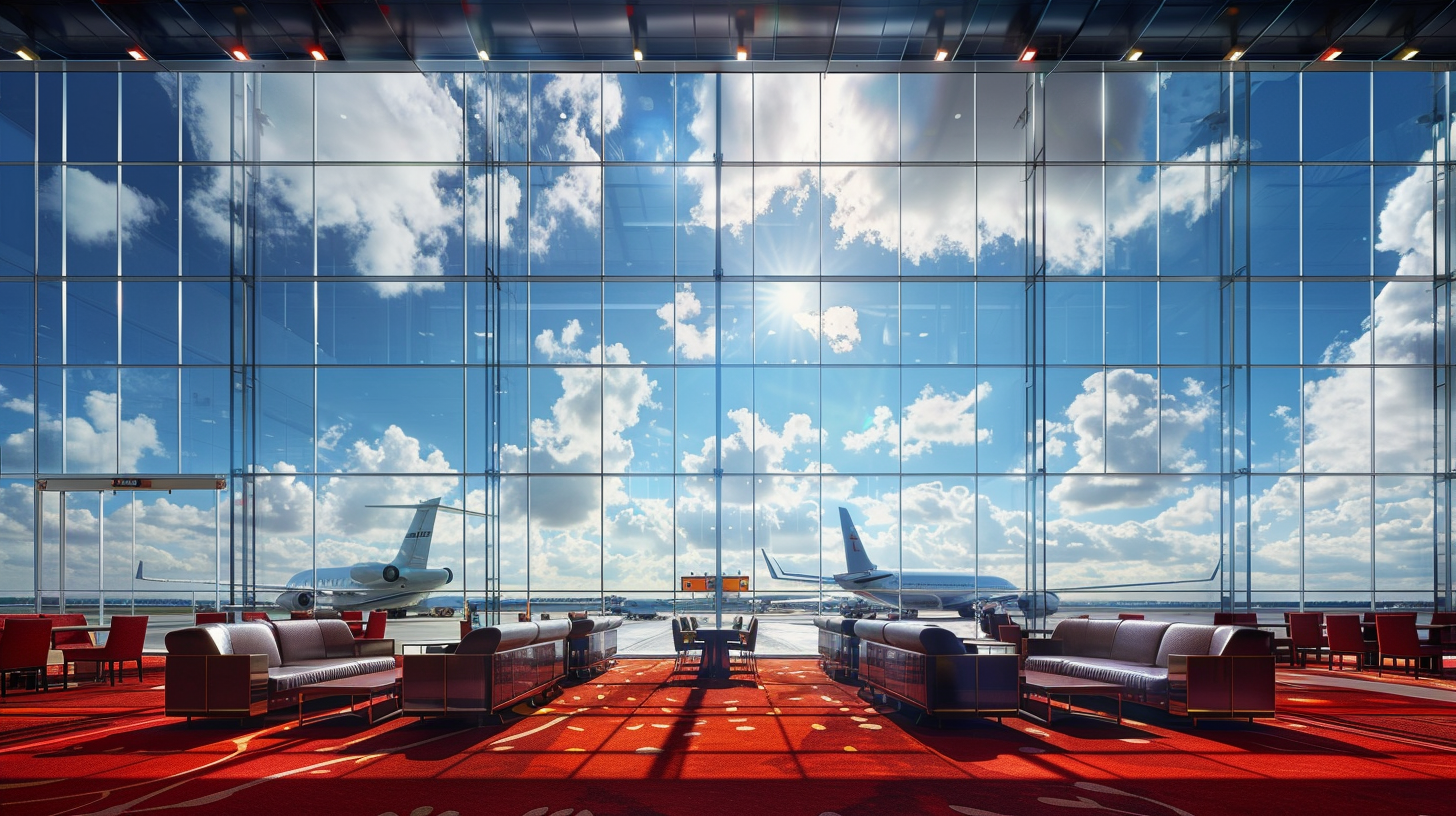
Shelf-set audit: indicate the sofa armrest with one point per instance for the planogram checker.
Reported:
(1042, 647)
(231, 685)
(1221, 685)
(374, 647)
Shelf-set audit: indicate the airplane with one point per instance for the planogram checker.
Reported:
(963, 592)
(396, 586)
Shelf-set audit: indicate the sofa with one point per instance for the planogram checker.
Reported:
(491, 668)
(1192, 670)
(592, 644)
(245, 669)
(838, 646)
(930, 668)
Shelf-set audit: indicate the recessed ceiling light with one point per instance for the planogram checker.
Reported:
(26, 54)
(742, 53)
(637, 54)
(137, 54)
(484, 57)
(318, 54)
(1329, 54)
(1234, 54)
(1028, 54)
(1134, 55)
(941, 54)
(1407, 53)
(240, 55)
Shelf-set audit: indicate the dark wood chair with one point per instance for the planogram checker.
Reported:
(1396, 638)
(25, 648)
(123, 645)
(1445, 638)
(746, 647)
(1345, 637)
(684, 642)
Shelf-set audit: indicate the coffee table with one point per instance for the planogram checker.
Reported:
(1046, 685)
(365, 685)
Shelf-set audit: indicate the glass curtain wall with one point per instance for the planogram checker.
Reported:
(1098, 326)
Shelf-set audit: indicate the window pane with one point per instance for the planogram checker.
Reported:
(1336, 117)
(390, 117)
(1074, 116)
(638, 215)
(859, 113)
(149, 116)
(641, 129)
(937, 116)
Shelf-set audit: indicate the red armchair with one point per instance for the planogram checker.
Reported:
(374, 629)
(254, 616)
(200, 618)
(1395, 637)
(25, 648)
(123, 645)
(355, 619)
(1346, 637)
(1306, 635)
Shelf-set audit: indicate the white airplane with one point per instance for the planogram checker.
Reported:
(396, 586)
(961, 591)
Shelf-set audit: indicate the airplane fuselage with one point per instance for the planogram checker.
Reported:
(924, 589)
(340, 588)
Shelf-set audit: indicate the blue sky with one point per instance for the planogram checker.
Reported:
(864, 367)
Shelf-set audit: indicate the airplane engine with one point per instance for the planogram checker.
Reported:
(296, 601)
(374, 573)
(435, 576)
(1038, 604)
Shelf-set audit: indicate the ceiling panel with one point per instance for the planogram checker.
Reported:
(813, 30)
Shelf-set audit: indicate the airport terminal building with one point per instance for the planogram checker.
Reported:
(1067, 304)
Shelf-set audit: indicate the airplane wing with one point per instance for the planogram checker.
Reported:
(783, 575)
(251, 587)
(1210, 577)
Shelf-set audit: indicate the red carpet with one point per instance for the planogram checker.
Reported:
(628, 742)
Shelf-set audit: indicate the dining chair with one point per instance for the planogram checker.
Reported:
(200, 618)
(355, 619)
(25, 648)
(374, 629)
(123, 645)
(1305, 635)
(1129, 616)
(255, 616)
(1445, 638)
(1395, 637)
(684, 642)
(1346, 637)
(747, 647)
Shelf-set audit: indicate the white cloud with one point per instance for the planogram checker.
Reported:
(1120, 423)
(692, 342)
(597, 406)
(933, 418)
(838, 324)
(94, 443)
(91, 207)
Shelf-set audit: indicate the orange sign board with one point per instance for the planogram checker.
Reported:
(705, 583)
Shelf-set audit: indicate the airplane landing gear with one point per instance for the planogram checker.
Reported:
(396, 613)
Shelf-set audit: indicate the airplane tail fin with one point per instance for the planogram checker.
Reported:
(855, 557)
(414, 550)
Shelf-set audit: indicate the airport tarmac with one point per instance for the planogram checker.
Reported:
(779, 635)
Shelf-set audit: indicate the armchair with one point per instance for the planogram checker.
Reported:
(123, 645)
(1395, 637)
(1345, 637)
(25, 648)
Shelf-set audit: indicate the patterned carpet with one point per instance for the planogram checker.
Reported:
(636, 740)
